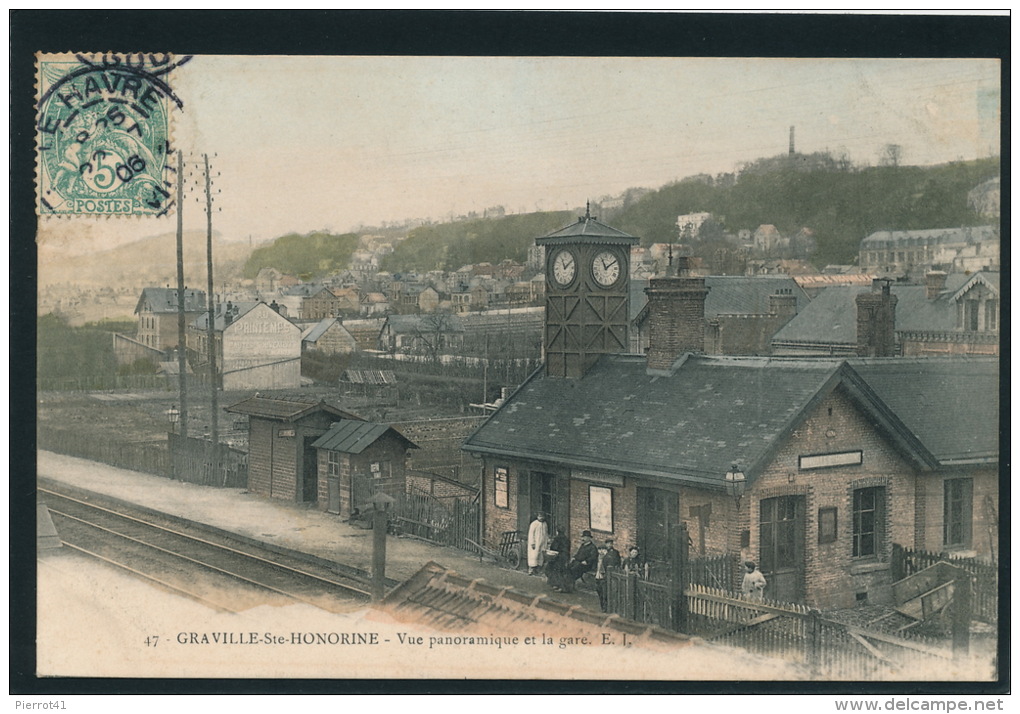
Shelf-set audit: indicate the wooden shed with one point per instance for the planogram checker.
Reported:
(358, 459)
(281, 431)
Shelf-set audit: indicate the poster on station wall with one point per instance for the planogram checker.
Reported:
(191, 201)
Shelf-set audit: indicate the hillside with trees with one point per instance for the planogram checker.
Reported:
(307, 256)
(448, 246)
(840, 203)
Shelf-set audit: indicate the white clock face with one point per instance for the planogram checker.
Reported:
(564, 267)
(606, 268)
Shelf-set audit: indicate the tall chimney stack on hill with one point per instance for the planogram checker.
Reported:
(676, 316)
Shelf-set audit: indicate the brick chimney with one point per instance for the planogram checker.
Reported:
(676, 316)
(934, 284)
(783, 304)
(876, 321)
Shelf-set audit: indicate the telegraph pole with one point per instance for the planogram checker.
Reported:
(182, 361)
(214, 437)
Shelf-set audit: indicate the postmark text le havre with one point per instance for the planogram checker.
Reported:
(103, 134)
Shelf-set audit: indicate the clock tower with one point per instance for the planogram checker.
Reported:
(587, 284)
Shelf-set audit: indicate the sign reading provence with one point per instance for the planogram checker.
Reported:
(821, 461)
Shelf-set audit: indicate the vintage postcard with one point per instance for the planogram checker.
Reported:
(440, 366)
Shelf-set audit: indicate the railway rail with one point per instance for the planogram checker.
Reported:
(224, 573)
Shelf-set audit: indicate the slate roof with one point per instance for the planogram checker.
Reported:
(831, 318)
(708, 412)
(353, 436)
(283, 408)
(731, 295)
(989, 278)
(927, 236)
(637, 298)
(591, 229)
(952, 404)
(240, 309)
(164, 300)
(318, 329)
(690, 425)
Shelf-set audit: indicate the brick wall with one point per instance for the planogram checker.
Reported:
(439, 442)
(498, 520)
(715, 507)
(984, 511)
(832, 575)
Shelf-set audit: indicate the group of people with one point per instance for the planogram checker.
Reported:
(552, 555)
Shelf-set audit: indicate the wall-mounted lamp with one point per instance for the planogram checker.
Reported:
(735, 484)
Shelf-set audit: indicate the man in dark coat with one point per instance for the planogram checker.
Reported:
(556, 563)
(584, 561)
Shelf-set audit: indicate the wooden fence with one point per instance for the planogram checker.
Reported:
(106, 382)
(985, 582)
(148, 457)
(801, 634)
(191, 460)
(715, 571)
(425, 516)
(695, 596)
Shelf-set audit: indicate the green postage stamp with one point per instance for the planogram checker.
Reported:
(103, 134)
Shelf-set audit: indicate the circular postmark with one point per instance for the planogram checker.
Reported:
(103, 134)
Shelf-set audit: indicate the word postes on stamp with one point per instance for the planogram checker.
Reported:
(103, 134)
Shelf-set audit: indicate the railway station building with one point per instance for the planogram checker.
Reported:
(812, 467)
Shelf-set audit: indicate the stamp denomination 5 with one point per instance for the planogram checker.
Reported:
(103, 134)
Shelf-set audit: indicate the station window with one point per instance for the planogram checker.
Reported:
(868, 521)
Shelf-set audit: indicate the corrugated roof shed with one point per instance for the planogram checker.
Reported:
(370, 376)
(354, 436)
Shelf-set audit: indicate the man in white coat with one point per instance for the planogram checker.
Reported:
(538, 542)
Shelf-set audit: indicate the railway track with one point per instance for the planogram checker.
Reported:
(223, 573)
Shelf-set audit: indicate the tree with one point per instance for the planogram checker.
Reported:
(891, 155)
(435, 333)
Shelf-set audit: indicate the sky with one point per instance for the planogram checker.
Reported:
(308, 143)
